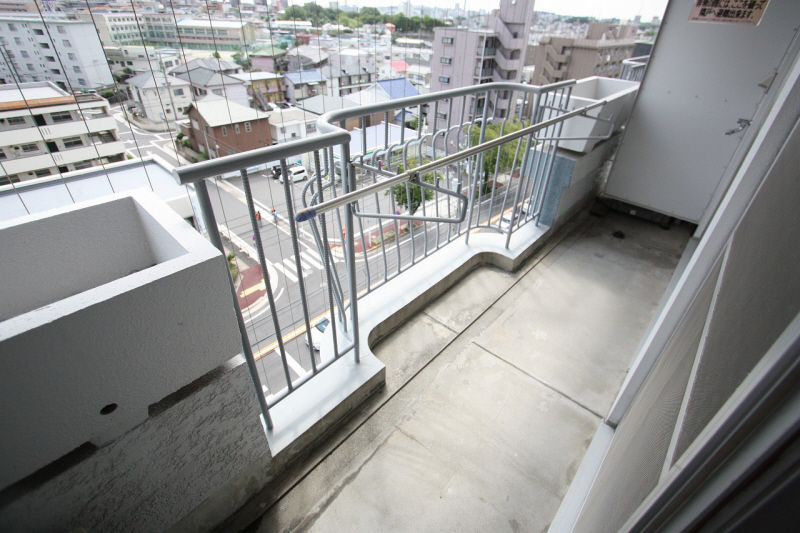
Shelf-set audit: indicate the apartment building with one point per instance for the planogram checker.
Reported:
(116, 27)
(159, 96)
(600, 53)
(263, 87)
(161, 28)
(65, 52)
(215, 34)
(349, 70)
(463, 57)
(304, 84)
(45, 131)
(222, 127)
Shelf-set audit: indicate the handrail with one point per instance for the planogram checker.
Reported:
(354, 196)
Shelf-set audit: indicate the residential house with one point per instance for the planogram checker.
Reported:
(394, 69)
(263, 87)
(209, 63)
(303, 84)
(349, 70)
(160, 97)
(419, 73)
(205, 81)
(319, 105)
(306, 57)
(45, 131)
(292, 124)
(270, 58)
(384, 91)
(141, 59)
(221, 127)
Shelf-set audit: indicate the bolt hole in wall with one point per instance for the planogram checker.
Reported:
(108, 409)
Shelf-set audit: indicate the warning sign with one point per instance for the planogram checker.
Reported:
(729, 11)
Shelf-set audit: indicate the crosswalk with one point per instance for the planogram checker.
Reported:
(310, 260)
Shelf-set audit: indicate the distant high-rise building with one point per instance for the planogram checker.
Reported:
(600, 53)
(463, 57)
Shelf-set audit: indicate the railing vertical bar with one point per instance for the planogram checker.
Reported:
(349, 184)
(263, 263)
(435, 174)
(447, 169)
(356, 206)
(207, 212)
(479, 160)
(287, 193)
(497, 169)
(326, 256)
(539, 156)
(458, 147)
(422, 192)
(339, 228)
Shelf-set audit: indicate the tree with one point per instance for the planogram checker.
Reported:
(244, 62)
(295, 13)
(215, 55)
(506, 152)
(370, 15)
(400, 192)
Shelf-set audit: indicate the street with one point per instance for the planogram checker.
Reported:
(141, 143)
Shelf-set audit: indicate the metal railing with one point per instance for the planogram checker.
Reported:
(383, 198)
(633, 68)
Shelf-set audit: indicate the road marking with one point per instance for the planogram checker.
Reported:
(313, 262)
(290, 275)
(293, 364)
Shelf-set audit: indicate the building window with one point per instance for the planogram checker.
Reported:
(72, 142)
(17, 40)
(2, 154)
(61, 29)
(44, 45)
(130, 62)
(42, 173)
(178, 92)
(30, 147)
(224, 131)
(61, 116)
(82, 165)
(236, 127)
(81, 82)
(447, 60)
(51, 59)
(30, 67)
(442, 116)
(218, 92)
(76, 68)
(55, 71)
(72, 57)
(66, 43)
(447, 40)
(38, 32)
(25, 53)
(12, 27)
(15, 120)
(444, 79)
(247, 127)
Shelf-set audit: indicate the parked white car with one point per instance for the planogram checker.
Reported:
(295, 174)
(317, 331)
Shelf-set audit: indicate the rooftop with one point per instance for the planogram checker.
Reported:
(323, 103)
(305, 76)
(218, 111)
(34, 94)
(147, 80)
(255, 76)
(207, 78)
(217, 65)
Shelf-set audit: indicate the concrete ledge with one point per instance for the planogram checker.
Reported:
(311, 410)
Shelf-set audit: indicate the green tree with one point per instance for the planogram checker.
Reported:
(400, 192)
(216, 55)
(242, 61)
(370, 15)
(506, 152)
(295, 13)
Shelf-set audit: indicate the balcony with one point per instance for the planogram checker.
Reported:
(498, 348)
(78, 127)
(85, 153)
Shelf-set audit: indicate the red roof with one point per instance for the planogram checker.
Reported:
(399, 66)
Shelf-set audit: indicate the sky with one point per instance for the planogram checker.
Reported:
(621, 9)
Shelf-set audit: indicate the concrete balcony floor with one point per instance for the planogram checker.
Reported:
(493, 394)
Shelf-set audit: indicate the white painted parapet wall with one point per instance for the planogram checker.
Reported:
(106, 308)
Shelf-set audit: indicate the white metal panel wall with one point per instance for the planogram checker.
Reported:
(701, 79)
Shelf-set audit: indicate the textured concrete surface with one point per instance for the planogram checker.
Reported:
(494, 392)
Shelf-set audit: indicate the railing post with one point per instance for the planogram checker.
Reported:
(207, 212)
(349, 181)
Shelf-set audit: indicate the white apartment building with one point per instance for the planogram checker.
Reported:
(65, 52)
(45, 131)
(117, 27)
(159, 96)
